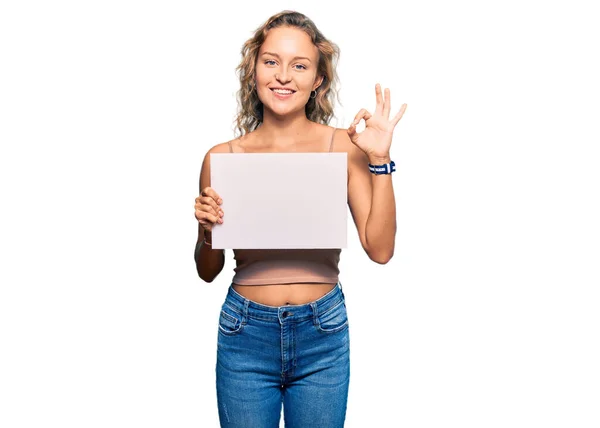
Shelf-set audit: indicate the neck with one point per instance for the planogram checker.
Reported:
(284, 130)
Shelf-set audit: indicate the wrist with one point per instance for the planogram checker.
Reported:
(379, 160)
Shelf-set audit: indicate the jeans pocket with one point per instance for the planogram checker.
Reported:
(230, 321)
(333, 319)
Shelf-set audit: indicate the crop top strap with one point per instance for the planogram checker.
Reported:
(331, 144)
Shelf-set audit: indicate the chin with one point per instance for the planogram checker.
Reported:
(280, 112)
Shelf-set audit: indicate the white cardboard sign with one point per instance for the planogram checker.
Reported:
(281, 200)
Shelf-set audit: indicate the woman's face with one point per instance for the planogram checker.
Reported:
(287, 59)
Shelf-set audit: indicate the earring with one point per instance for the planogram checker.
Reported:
(315, 94)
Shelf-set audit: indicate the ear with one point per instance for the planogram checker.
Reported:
(318, 82)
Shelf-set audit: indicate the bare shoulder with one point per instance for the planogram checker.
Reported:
(220, 147)
(225, 147)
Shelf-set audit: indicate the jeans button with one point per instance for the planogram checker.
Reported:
(286, 313)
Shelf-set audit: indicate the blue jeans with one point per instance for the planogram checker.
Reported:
(295, 355)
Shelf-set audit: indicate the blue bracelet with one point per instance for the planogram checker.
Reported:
(386, 168)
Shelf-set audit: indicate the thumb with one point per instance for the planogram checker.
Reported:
(352, 132)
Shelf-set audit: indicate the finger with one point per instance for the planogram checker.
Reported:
(379, 98)
(203, 217)
(209, 191)
(362, 114)
(399, 115)
(352, 128)
(209, 219)
(208, 200)
(209, 204)
(352, 132)
(358, 117)
(387, 104)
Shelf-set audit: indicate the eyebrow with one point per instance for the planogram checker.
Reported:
(277, 56)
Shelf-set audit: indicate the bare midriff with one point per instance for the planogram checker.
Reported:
(284, 294)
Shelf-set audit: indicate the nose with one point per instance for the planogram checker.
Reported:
(282, 77)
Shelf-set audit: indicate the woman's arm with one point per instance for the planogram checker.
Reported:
(371, 196)
(372, 204)
(209, 262)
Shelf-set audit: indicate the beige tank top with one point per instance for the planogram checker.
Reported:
(286, 266)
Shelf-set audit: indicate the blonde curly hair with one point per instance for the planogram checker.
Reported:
(318, 109)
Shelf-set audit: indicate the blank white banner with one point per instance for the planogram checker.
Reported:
(281, 200)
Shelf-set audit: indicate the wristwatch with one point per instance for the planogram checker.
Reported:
(386, 168)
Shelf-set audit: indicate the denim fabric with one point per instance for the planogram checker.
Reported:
(295, 355)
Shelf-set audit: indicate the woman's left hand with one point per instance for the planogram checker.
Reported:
(376, 139)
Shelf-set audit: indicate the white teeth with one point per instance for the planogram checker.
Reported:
(281, 91)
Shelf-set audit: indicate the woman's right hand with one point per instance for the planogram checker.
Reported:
(207, 209)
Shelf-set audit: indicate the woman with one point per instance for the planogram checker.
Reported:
(283, 328)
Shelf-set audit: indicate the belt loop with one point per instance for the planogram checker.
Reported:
(341, 289)
(315, 311)
(245, 312)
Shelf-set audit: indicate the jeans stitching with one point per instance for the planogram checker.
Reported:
(329, 309)
(236, 310)
(231, 319)
(335, 329)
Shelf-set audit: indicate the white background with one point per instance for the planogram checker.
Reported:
(487, 315)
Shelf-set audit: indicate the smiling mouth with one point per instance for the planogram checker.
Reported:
(287, 92)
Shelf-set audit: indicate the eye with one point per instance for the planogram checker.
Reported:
(303, 67)
(268, 61)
